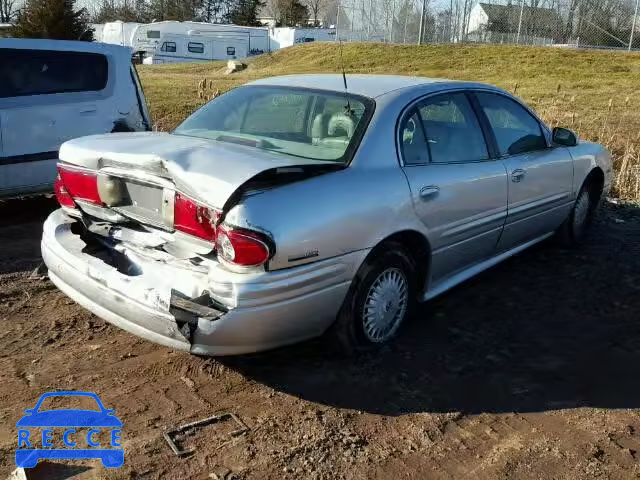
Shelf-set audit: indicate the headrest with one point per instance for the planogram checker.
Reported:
(340, 121)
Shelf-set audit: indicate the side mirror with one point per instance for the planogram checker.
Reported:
(565, 137)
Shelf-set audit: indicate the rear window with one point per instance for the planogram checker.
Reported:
(313, 124)
(153, 33)
(42, 72)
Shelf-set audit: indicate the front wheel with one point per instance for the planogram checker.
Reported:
(380, 299)
(574, 230)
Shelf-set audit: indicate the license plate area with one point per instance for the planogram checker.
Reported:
(145, 199)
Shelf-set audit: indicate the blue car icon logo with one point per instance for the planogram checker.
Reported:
(31, 448)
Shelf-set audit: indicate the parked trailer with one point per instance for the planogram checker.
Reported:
(147, 37)
(175, 48)
(119, 33)
(98, 29)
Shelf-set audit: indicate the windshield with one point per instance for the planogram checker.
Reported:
(311, 124)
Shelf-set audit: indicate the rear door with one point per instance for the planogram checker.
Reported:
(540, 177)
(458, 191)
(48, 97)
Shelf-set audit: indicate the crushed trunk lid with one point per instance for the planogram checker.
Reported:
(208, 170)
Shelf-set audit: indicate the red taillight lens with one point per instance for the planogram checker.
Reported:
(242, 247)
(194, 219)
(63, 197)
(79, 185)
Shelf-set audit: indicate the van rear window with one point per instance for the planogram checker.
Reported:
(41, 72)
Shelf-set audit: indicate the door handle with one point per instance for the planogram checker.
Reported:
(427, 193)
(88, 110)
(517, 175)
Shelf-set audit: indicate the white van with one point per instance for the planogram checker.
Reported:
(52, 91)
(176, 48)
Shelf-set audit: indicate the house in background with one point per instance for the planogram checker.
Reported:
(5, 29)
(500, 23)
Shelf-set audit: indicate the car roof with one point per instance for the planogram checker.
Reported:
(62, 45)
(365, 85)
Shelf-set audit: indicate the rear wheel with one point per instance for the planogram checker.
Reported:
(380, 299)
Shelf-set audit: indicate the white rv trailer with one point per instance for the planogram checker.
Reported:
(147, 37)
(119, 33)
(178, 48)
(98, 28)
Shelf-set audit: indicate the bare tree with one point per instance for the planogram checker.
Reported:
(315, 7)
(7, 10)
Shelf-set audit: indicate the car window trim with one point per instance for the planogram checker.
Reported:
(541, 125)
(413, 105)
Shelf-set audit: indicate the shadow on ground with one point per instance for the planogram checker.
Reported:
(21, 230)
(548, 329)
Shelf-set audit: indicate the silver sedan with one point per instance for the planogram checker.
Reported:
(293, 206)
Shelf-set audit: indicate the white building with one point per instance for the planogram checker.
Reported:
(287, 36)
(501, 23)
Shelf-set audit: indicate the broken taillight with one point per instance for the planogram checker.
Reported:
(73, 184)
(194, 219)
(63, 197)
(242, 247)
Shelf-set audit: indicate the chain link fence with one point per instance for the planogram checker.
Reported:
(609, 24)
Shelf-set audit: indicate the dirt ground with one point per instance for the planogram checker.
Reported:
(530, 371)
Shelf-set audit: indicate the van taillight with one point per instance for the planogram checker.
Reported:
(194, 219)
(242, 247)
(76, 184)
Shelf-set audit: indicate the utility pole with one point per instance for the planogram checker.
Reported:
(520, 22)
(337, 21)
(422, 15)
(633, 26)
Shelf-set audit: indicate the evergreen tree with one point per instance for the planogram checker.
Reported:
(55, 19)
(245, 12)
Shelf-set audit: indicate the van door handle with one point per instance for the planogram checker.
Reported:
(88, 110)
(429, 192)
(517, 175)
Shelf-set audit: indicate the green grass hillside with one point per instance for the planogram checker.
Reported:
(593, 92)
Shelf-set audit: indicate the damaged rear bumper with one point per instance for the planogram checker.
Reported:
(161, 301)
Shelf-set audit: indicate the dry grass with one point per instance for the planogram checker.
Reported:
(595, 93)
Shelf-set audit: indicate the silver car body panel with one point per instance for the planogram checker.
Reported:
(310, 295)
(323, 226)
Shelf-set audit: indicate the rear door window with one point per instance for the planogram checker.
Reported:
(452, 129)
(41, 72)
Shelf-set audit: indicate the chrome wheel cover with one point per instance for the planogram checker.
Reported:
(581, 211)
(385, 305)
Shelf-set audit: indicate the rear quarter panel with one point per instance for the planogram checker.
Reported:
(330, 215)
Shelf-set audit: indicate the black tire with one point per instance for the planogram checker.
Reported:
(350, 331)
(575, 228)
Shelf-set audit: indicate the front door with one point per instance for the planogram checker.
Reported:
(540, 177)
(458, 191)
